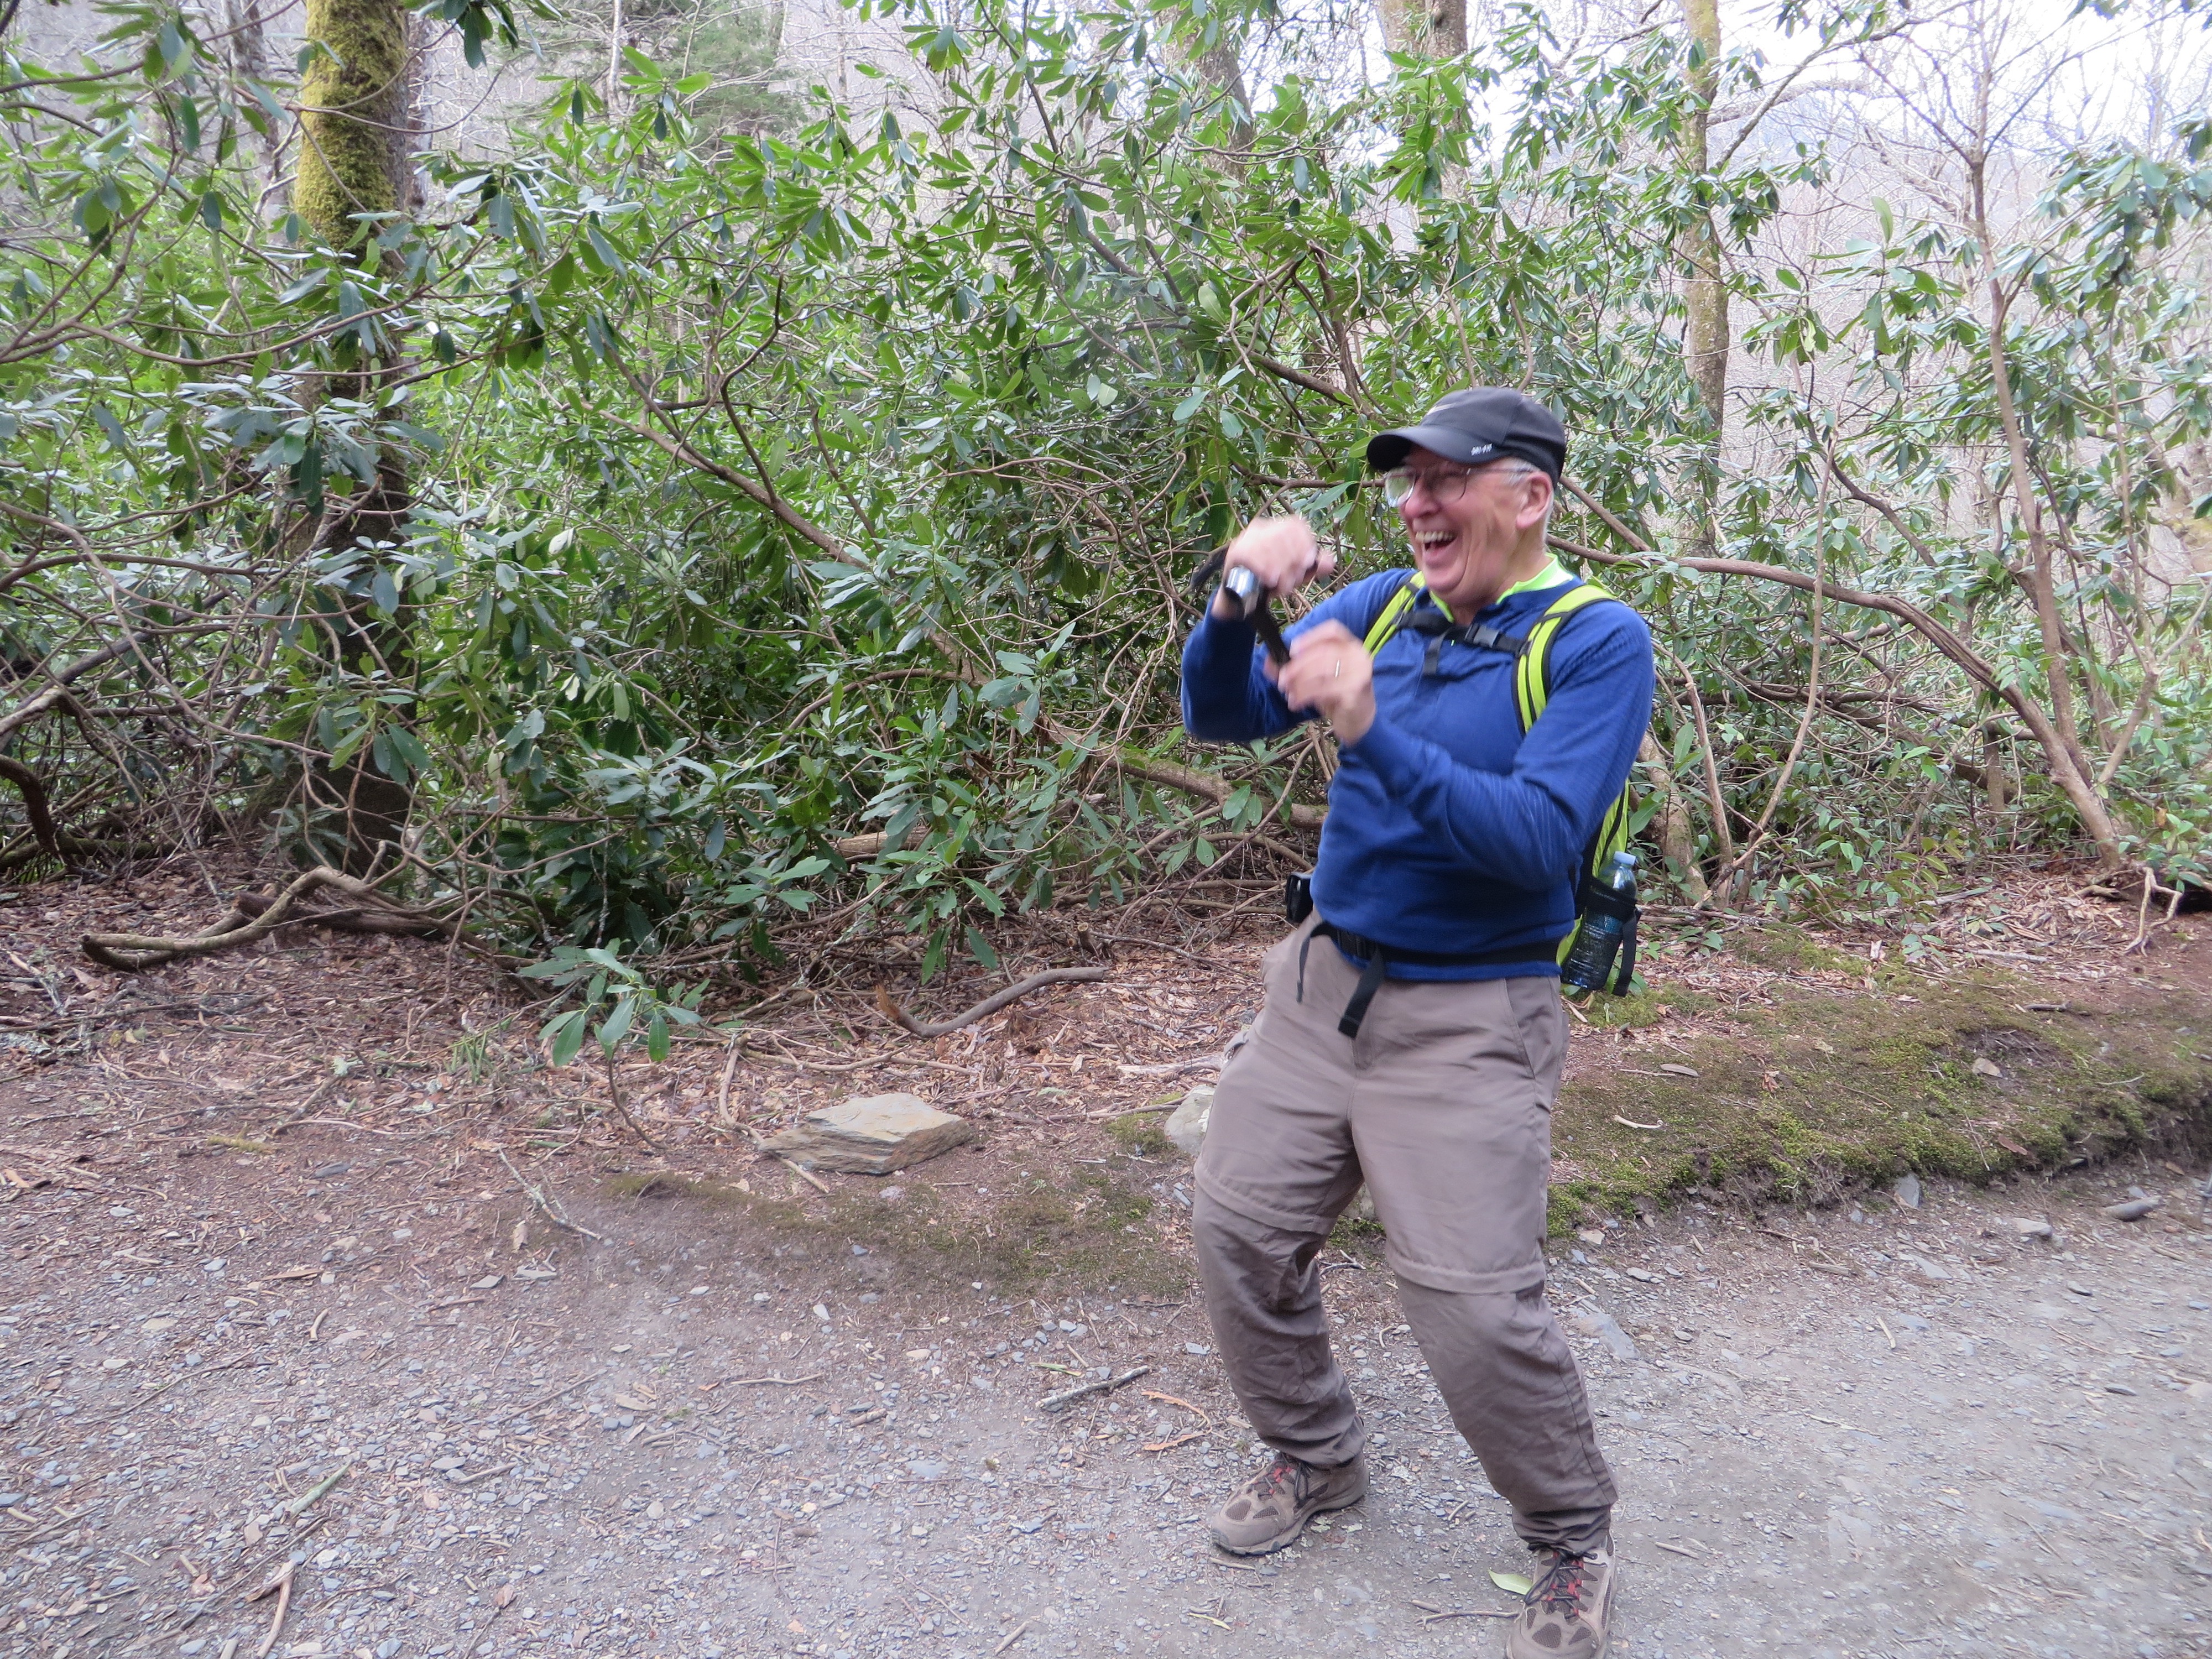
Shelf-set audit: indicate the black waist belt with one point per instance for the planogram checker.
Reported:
(1376, 957)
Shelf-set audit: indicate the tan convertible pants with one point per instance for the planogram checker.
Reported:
(1442, 1105)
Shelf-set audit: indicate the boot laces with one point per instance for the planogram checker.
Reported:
(1283, 1472)
(1560, 1589)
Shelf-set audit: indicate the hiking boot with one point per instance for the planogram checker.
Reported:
(1271, 1508)
(1569, 1606)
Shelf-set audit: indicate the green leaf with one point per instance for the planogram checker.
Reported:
(104, 417)
(601, 252)
(409, 748)
(980, 948)
(566, 1037)
(616, 1026)
(1512, 1582)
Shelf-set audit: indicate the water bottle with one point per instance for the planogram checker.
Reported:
(1608, 918)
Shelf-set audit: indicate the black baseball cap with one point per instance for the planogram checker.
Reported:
(1480, 423)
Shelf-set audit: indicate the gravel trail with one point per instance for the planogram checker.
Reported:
(1892, 1432)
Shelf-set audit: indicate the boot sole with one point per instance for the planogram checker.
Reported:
(1283, 1540)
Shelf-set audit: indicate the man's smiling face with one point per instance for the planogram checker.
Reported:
(1466, 527)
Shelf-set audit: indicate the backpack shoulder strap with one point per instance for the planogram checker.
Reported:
(1532, 678)
(1532, 689)
(1394, 610)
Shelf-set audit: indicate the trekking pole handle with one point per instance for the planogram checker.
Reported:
(1249, 599)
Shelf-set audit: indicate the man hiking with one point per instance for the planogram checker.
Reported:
(1412, 1035)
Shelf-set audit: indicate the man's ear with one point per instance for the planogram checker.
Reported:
(1536, 502)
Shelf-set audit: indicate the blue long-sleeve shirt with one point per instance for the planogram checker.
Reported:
(1449, 832)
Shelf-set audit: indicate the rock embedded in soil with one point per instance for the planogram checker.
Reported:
(1186, 1126)
(1595, 1321)
(871, 1134)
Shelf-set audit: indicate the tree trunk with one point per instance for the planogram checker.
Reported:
(614, 56)
(245, 60)
(1704, 292)
(1671, 822)
(354, 108)
(1997, 777)
(1221, 66)
(1434, 29)
(356, 119)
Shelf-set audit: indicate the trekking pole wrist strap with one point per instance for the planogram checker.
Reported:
(1625, 977)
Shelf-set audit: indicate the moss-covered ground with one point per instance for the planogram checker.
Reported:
(1826, 1089)
(1783, 1073)
(1086, 1228)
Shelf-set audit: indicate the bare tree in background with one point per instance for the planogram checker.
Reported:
(1704, 289)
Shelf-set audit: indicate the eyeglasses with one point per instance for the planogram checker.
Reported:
(1446, 484)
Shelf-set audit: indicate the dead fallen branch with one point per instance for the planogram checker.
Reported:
(1066, 1397)
(132, 953)
(357, 919)
(870, 843)
(990, 1004)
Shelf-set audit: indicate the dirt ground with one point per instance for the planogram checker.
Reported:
(289, 1364)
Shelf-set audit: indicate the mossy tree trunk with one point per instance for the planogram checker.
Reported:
(356, 143)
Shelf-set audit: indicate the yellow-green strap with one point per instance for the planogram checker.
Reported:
(1529, 691)
(1394, 612)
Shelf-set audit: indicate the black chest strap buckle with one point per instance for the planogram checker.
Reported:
(1439, 627)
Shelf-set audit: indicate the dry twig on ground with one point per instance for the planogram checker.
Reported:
(990, 1004)
(546, 1208)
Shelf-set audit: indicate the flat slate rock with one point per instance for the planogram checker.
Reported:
(871, 1134)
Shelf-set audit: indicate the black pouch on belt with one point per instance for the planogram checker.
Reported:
(1297, 897)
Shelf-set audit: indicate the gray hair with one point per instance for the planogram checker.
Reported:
(1519, 469)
